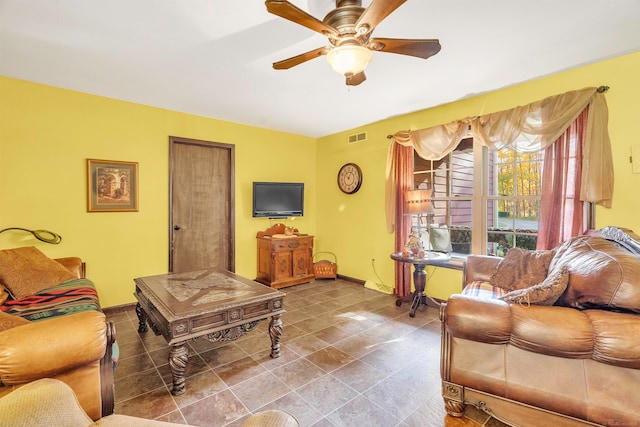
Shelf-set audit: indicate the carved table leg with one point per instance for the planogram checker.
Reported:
(178, 358)
(275, 331)
(142, 318)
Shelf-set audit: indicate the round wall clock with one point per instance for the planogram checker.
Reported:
(350, 178)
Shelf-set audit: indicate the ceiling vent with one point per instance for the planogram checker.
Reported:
(357, 137)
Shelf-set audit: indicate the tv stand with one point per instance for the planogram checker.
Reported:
(284, 260)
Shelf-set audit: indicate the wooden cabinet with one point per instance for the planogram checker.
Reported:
(284, 260)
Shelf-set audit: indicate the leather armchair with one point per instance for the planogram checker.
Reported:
(75, 349)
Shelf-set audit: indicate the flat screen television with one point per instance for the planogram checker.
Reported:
(278, 199)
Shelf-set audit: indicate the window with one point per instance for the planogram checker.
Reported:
(452, 181)
(513, 200)
(490, 200)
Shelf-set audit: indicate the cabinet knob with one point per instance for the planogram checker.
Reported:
(177, 227)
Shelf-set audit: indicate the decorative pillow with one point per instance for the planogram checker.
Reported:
(521, 269)
(26, 271)
(8, 321)
(440, 239)
(545, 293)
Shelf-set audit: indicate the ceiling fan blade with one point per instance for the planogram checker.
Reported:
(422, 48)
(286, 10)
(356, 79)
(375, 13)
(299, 59)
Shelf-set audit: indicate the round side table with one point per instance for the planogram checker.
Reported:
(420, 276)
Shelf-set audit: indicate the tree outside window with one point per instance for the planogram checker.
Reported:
(514, 207)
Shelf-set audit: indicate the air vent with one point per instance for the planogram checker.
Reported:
(357, 137)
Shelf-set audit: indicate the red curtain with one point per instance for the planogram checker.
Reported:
(561, 210)
(403, 170)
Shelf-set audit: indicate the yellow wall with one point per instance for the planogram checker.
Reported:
(47, 133)
(353, 226)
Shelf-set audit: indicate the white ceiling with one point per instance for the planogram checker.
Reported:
(213, 57)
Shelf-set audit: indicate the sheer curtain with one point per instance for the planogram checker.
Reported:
(521, 129)
(561, 210)
(402, 168)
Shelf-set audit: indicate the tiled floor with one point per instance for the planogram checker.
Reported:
(350, 357)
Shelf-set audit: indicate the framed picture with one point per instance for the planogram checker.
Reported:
(112, 186)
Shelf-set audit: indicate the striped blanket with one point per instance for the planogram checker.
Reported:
(482, 289)
(66, 298)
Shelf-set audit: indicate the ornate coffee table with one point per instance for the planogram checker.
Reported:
(211, 304)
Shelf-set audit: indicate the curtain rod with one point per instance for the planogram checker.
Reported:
(600, 89)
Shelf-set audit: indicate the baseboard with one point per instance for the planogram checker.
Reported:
(351, 279)
(118, 308)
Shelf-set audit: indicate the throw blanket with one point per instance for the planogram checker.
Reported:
(482, 289)
(624, 237)
(66, 298)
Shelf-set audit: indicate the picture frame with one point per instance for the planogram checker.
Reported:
(112, 186)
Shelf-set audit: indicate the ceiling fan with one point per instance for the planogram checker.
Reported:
(348, 28)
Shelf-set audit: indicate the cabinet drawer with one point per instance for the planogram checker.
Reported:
(280, 245)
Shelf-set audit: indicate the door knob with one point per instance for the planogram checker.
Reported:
(176, 227)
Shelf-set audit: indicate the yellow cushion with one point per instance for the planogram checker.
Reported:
(26, 271)
(44, 402)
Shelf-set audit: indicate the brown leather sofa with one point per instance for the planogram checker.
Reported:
(576, 362)
(73, 348)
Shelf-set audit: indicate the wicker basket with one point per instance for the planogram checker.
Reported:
(325, 269)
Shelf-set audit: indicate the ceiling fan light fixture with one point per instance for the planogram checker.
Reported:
(349, 60)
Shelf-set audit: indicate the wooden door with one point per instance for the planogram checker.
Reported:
(201, 216)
